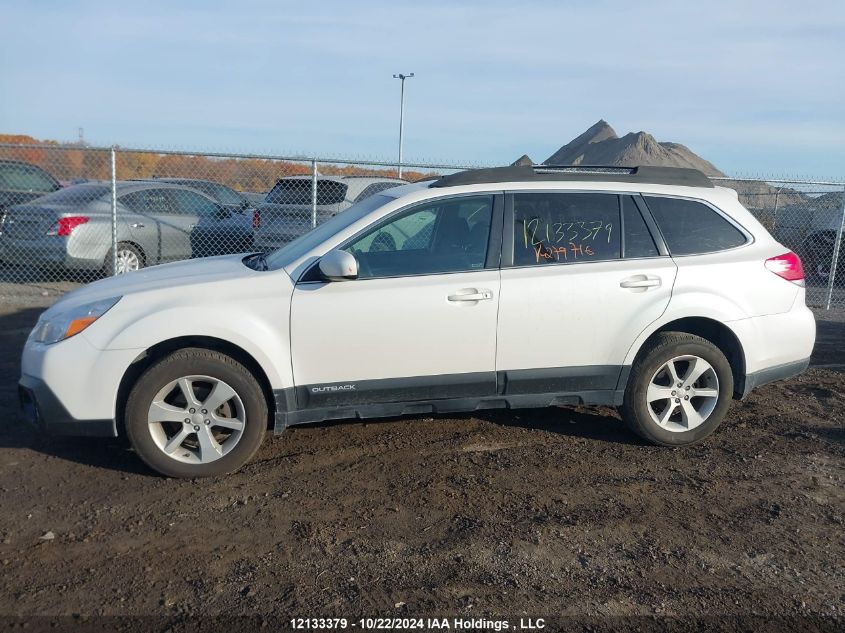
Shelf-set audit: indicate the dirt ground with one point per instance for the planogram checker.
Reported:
(555, 513)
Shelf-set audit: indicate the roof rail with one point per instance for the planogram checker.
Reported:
(591, 173)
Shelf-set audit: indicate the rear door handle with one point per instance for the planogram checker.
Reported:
(641, 281)
(471, 294)
(137, 225)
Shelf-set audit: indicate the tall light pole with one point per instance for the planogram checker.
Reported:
(401, 114)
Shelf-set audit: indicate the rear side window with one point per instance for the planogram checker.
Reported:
(552, 228)
(692, 228)
(147, 201)
(638, 239)
(298, 191)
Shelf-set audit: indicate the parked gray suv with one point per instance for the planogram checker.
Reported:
(156, 222)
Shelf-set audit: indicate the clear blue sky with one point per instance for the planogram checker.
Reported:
(755, 87)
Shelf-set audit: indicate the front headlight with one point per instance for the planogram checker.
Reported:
(65, 324)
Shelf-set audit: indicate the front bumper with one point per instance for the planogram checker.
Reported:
(71, 387)
(42, 409)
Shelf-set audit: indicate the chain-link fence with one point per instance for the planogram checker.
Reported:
(72, 214)
(807, 217)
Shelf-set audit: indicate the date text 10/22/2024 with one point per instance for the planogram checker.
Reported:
(418, 624)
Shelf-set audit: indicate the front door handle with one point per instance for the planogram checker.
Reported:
(472, 294)
(642, 282)
(137, 225)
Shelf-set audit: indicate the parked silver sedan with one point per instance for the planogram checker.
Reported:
(156, 223)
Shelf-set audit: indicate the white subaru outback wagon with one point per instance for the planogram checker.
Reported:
(646, 288)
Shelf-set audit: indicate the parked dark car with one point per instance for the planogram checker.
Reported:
(22, 182)
(222, 194)
(156, 222)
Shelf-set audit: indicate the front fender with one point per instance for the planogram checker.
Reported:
(261, 329)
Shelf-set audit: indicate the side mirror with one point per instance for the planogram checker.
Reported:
(338, 266)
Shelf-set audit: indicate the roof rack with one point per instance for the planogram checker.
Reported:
(591, 173)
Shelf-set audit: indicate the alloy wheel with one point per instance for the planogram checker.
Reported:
(196, 419)
(682, 393)
(127, 261)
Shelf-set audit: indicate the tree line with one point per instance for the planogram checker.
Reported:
(73, 162)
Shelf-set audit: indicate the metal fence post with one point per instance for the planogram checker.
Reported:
(113, 211)
(836, 248)
(313, 193)
(775, 212)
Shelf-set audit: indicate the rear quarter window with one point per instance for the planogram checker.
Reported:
(693, 228)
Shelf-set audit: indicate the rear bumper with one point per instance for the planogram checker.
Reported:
(46, 252)
(43, 410)
(772, 374)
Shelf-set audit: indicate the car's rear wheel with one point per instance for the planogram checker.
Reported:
(196, 413)
(129, 259)
(679, 390)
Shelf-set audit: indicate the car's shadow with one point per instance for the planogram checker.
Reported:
(597, 423)
(830, 341)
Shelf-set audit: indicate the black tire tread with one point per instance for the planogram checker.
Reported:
(246, 451)
(662, 343)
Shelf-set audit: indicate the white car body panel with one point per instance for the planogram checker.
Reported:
(394, 327)
(570, 314)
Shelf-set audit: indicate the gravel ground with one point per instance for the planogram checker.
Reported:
(557, 513)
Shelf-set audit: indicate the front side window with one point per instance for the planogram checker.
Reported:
(444, 236)
(225, 195)
(692, 228)
(187, 202)
(558, 228)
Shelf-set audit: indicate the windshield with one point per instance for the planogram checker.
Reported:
(292, 251)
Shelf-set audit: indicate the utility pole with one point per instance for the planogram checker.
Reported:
(401, 114)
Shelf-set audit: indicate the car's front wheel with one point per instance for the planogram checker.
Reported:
(679, 390)
(196, 413)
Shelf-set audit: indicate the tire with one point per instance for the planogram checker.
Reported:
(158, 416)
(131, 257)
(692, 417)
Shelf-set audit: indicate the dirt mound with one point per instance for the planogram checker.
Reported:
(600, 145)
(523, 161)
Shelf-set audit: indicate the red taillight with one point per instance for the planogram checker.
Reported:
(787, 266)
(256, 219)
(65, 226)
